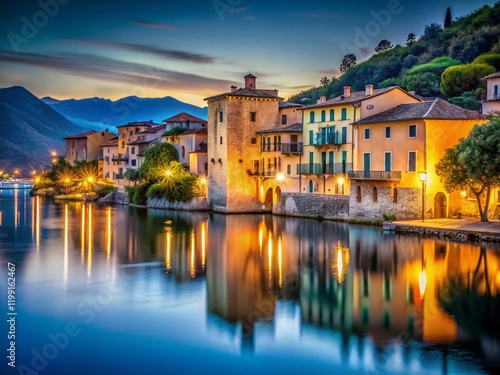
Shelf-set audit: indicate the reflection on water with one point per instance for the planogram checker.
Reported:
(346, 296)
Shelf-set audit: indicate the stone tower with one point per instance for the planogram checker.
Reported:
(234, 118)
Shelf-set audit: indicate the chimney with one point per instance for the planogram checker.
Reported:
(250, 81)
(368, 90)
(347, 91)
(322, 99)
(233, 88)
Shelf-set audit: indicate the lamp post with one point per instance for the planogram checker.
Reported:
(422, 176)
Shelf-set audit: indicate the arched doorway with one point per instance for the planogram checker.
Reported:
(277, 194)
(440, 206)
(268, 202)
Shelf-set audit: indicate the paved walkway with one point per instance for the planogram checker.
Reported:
(466, 225)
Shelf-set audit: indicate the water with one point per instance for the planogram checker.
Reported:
(132, 291)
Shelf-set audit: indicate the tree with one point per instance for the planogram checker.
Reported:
(467, 100)
(347, 62)
(412, 38)
(458, 79)
(473, 164)
(431, 32)
(156, 161)
(132, 175)
(325, 81)
(384, 45)
(447, 18)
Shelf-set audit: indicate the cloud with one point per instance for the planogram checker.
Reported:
(108, 69)
(329, 72)
(165, 53)
(156, 25)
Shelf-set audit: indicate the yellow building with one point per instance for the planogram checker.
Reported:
(394, 147)
(329, 138)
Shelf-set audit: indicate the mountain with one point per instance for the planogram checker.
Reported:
(102, 113)
(29, 131)
(418, 65)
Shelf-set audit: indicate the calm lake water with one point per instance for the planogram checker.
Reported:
(119, 290)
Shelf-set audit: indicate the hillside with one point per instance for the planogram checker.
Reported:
(418, 65)
(30, 130)
(101, 113)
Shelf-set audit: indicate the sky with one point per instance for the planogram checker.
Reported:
(196, 48)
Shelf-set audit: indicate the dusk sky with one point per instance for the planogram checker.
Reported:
(197, 48)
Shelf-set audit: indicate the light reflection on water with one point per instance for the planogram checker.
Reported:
(152, 290)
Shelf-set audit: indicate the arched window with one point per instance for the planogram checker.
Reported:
(323, 116)
(344, 114)
(311, 116)
(332, 114)
(183, 152)
(358, 193)
(375, 195)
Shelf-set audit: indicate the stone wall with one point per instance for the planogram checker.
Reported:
(404, 203)
(469, 209)
(195, 204)
(313, 205)
(115, 197)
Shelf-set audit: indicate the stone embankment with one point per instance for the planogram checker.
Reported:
(317, 206)
(195, 204)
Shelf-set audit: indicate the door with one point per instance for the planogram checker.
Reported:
(344, 134)
(323, 162)
(311, 186)
(311, 162)
(440, 206)
(388, 161)
(344, 161)
(293, 141)
(331, 162)
(366, 164)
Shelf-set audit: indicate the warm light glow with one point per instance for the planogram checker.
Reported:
(203, 244)
(280, 265)
(422, 176)
(53, 153)
(82, 234)
(463, 194)
(340, 180)
(193, 265)
(341, 259)
(270, 256)
(280, 177)
(37, 180)
(90, 179)
(108, 233)
(203, 181)
(33, 173)
(422, 283)
(66, 229)
(89, 254)
(16, 208)
(168, 173)
(38, 224)
(168, 255)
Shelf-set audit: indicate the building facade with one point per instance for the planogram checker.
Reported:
(330, 139)
(394, 148)
(492, 100)
(86, 146)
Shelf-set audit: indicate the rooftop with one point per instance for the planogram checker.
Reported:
(438, 109)
(246, 93)
(184, 117)
(140, 141)
(153, 129)
(285, 104)
(356, 96)
(194, 131)
(139, 123)
(111, 143)
(292, 128)
(494, 75)
(82, 135)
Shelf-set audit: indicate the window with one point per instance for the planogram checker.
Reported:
(412, 131)
(332, 115)
(387, 161)
(344, 134)
(367, 133)
(412, 161)
(183, 152)
(358, 193)
(252, 116)
(387, 132)
(133, 162)
(221, 116)
(311, 137)
(343, 114)
(123, 144)
(132, 150)
(253, 141)
(220, 140)
(323, 116)
(288, 169)
(131, 132)
(311, 116)
(374, 194)
(137, 130)
(283, 119)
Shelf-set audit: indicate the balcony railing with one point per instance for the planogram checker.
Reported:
(322, 139)
(291, 148)
(269, 172)
(270, 147)
(119, 157)
(315, 168)
(375, 175)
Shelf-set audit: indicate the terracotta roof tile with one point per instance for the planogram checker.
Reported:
(285, 104)
(184, 117)
(494, 75)
(194, 131)
(292, 128)
(81, 135)
(438, 109)
(111, 143)
(245, 92)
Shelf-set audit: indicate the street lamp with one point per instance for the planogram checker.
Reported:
(341, 181)
(422, 176)
(280, 177)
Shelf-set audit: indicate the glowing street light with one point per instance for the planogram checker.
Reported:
(203, 181)
(168, 173)
(54, 154)
(280, 177)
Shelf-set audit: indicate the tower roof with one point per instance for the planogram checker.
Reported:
(250, 75)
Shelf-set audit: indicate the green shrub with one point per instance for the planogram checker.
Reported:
(137, 194)
(492, 59)
(105, 190)
(389, 217)
(174, 131)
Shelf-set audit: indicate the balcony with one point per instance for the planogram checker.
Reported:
(269, 172)
(336, 168)
(375, 175)
(325, 139)
(291, 148)
(119, 158)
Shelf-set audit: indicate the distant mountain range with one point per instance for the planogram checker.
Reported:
(104, 113)
(29, 131)
(31, 128)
